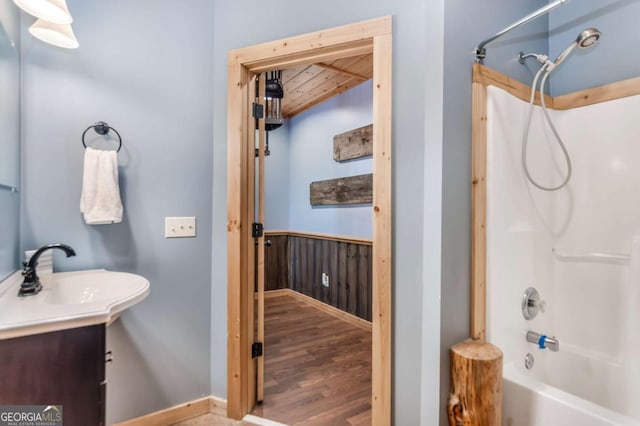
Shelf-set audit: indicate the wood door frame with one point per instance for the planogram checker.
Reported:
(373, 36)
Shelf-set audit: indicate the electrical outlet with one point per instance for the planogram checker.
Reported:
(325, 279)
(179, 227)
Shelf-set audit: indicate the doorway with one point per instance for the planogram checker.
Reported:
(369, 37)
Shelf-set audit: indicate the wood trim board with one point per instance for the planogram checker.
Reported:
(486, 76)
(319, 236)
(479, 211)
(482, 78)
(180, 412)
(341, 71)
(382, 235)
(236, 183)
(594, 95)
(323, 46)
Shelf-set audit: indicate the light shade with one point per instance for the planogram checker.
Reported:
(55, 11)
(56, 34)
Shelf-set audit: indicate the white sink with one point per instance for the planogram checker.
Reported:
(90, 287)
(68, 300)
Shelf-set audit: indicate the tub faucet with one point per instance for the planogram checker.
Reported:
(543, 341)
(31, 284)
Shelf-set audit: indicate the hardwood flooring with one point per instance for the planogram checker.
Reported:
(317, 367)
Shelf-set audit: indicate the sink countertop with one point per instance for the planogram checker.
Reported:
(68, 300)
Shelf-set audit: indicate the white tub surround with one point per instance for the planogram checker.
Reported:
(579, 247)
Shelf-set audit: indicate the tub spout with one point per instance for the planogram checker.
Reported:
(543, 341)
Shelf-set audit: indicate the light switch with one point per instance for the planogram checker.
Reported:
(179, 227)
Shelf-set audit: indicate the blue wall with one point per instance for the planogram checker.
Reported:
(10, 99)
(9, 139)
(146, 68)
(615, 56)
(9, 229)
(276, 205)
(311, 159)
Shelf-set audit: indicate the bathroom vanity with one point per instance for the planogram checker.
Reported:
(52, 344)
(64, 367)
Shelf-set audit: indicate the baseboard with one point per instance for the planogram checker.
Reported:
(268, 294)
(181, 412)
(331, 310)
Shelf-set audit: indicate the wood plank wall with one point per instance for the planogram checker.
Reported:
(303, 259)
(276, 262)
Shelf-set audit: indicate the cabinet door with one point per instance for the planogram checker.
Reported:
(63, 367)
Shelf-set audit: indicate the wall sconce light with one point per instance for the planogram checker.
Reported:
(55, 11)
(56, 34)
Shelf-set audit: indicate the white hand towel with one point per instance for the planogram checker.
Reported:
(100, 200)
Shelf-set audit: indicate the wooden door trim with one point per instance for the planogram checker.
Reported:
(363, 37)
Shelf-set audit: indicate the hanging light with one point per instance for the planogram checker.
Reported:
(55, 11)
(55, 34)
(273, 93)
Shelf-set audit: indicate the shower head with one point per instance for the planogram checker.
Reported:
(586, 38)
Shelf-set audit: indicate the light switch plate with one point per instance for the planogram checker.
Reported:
(179, 227)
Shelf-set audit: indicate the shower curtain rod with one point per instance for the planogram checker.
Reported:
(481, 52)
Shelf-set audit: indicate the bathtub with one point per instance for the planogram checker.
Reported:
(530, 402)
(580, 248)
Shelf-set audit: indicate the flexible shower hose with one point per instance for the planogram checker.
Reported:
(543, 71)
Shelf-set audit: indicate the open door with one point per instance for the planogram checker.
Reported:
(372, 36)
(258, 353)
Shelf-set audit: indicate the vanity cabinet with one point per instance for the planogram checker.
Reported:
(64, 367)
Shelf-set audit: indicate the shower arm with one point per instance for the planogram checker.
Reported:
(481, 51)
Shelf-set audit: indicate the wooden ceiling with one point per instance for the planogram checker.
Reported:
(308, 85)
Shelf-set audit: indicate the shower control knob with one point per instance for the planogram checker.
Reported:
(528, 361)
(531, 304)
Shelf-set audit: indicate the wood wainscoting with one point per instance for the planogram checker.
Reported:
(296, 260)
(277, 261)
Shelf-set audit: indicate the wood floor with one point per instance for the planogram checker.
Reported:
(317, 367)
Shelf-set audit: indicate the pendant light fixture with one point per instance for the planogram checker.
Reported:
(54, 22)
(55, 11)
(273, 93)
(59, 35)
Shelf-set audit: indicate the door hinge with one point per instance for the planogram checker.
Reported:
(258, 111)
(256, 349)
(257, 230)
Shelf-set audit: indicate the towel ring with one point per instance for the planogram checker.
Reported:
(102, 128)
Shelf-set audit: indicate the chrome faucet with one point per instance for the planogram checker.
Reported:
(543, 341)
(31, 284)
